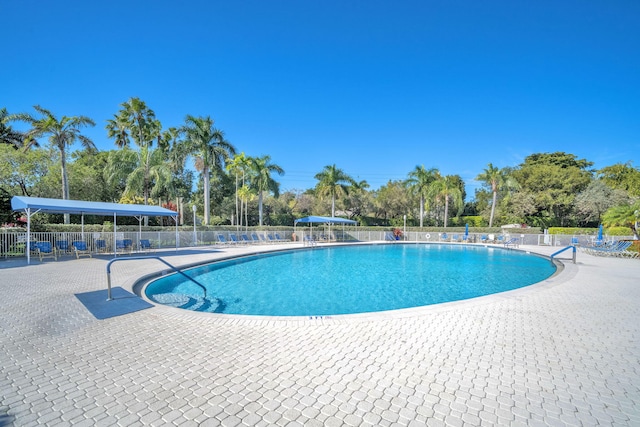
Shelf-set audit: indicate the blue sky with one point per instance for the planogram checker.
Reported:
(376, 87)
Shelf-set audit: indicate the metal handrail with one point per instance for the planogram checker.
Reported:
(148, 257)
(564, 249)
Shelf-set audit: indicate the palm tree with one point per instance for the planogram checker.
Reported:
(246, 195)
(240, 164)
(419, 182)
(62, 134)
(495, 178)
(118, 129)
(333, 182)
(144, 171)
(210, 149)
(447, 188)
(261, 169)
(7, 134)
(140, 120)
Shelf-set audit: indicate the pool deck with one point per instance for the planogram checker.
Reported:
(562, 352)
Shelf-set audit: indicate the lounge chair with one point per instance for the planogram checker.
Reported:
(101, 246)
(145, 245)
(278, 238)
(484, 238)
(245, 239)
(80, 249)
(271, 239)
(45, 250)
(388, 235)
(263, 239)
(63, 247)
(234, 239)
(125, 245)
(618, 249)
(512, 242)
(255, 238)
(308, 240)
(455, 238)
(444, 237)
(222, 240)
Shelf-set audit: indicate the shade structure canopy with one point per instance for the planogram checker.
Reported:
(33, 205)
(44, 205)
(323, 220)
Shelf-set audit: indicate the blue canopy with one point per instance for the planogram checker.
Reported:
(33, 205)
(41, 204)
(324, 220)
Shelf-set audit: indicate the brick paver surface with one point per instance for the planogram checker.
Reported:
(564, 352)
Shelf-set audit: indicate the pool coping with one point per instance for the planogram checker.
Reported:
(563, 273)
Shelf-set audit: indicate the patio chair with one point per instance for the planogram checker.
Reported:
(101, 245)
(45, 250)
(222, 240)
(388, 235)
(512, 242)
(444, 237)
(125, 245)
(145, 245)
(278, 238)
(309, 240)
(63, 247)
(263, 239)
(234, 239)
(255, 238)
(245, 239)
(80, 248)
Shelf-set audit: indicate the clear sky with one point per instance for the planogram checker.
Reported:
(376, 87)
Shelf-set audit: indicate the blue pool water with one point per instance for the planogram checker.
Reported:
(350, 279)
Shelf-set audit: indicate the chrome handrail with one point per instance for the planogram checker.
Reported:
(148, 257)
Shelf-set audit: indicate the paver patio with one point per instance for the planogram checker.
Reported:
(563, 352)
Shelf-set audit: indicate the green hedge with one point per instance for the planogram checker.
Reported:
(572, 231)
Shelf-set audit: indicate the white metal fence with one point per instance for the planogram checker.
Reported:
(13, 244)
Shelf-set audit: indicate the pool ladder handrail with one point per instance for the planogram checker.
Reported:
(564, 249)
(204, 289)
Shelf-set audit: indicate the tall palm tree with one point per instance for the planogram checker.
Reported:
(118, 129)
(210, 150)
(62, 134)
(495, 178)
(246, 195)
(447, 189)
(137, 118)
(333, 182)
(239, 166)
(419, 182)
(262, 168)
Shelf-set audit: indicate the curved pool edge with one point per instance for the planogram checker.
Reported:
(563, 273)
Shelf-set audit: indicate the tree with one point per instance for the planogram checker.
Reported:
(622, 177)
(591, 203)
(62, 134)
(262, 168)
(21, 171)
(210, 149)
(239, 166)
(9, 135)
(493, 177)
(419, 182)
(447, 189)
(623, 216)
(333, 182)
(554, 180)
(391, 201)
(137, 173)
(136, 120)
(359, 200)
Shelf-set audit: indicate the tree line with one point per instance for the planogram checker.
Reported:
(149, 165)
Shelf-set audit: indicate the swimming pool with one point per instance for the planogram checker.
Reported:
(350, 279)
